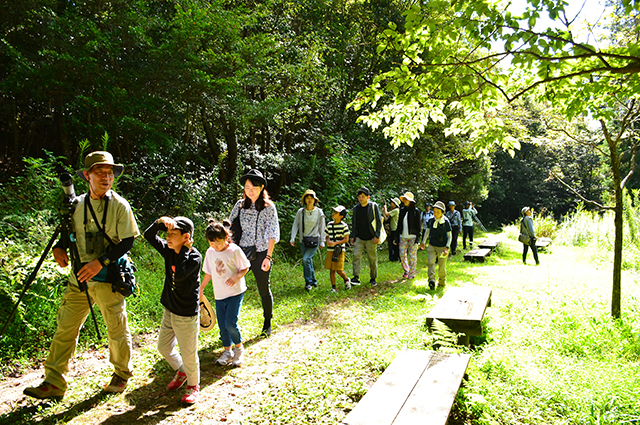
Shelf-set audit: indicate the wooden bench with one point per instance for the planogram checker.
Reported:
(418, 387)
(478, 254)
(462, 310)
(543, 243)
(489, 244)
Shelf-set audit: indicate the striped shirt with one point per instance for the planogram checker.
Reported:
(336, 232)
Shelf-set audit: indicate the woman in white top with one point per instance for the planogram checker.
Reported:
(309, 226)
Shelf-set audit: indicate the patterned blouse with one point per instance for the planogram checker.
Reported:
(267, 226)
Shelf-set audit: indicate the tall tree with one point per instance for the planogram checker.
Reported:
(454, 71)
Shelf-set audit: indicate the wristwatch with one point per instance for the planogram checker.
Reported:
(104, 261)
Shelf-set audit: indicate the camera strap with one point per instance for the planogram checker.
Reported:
(87, 204)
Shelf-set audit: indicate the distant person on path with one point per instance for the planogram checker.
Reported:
(337, 234)
(392, 216)
(455, 219)
(468, 215)
(438, 237)
(365, 235)
(260, 233)
(425, 216)
(526, 228)
(409, 230)
(181, 318)
(309, 225)
(226, 265)
(113, 220)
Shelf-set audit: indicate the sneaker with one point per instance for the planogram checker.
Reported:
(117, 384)
(44, 391)
(177, 381)
(355, 281)
(266, 332)
(333, 290)
(238, 356)
(191, 394)
(308, 287)
(347, 284)
(441, 283)
(432, 285)
(373, 283)
(226, 358)
(405, 275)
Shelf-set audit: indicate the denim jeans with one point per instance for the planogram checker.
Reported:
(227, 312)
(307, 264)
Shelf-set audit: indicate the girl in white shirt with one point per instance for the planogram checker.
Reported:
(226, 264)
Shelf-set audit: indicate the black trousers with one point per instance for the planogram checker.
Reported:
(394, 249)
(264, 284)
(467, 231)
(455, 230)
(534, 249)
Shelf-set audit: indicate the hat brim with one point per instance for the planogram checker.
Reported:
(244, 178)
(402, 198)
(207, 315)
(117, 169)
(309, 194)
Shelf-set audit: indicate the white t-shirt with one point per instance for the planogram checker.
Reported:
(222, 265)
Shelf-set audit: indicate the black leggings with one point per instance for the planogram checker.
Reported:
(264, 285)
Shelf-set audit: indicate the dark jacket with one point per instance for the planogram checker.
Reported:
(373, 211)
(413, 220)
(182, 274)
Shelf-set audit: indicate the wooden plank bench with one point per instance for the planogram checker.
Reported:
(478, 254)
(418, 387)
(462, 310)
(489, 244)
(543, 243)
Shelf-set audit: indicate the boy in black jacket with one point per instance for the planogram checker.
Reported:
(181, 318)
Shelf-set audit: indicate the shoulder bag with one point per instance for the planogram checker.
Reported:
(309, 241)
(119, 273)
(524, 238)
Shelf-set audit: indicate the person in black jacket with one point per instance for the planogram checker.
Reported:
(408, 231)
(180, 298)
(438, 236)
(365, 235)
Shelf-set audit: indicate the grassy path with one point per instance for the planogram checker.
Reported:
(550, 354)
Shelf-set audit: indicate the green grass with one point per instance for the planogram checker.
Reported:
(551, 354)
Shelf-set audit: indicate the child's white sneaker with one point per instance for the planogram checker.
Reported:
(238, 356)
(225, 358)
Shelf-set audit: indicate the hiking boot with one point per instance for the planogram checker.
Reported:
(333, 291)
(44, 391)
(238, 356)
(117, 384)
(355, 281)
(373, 283)
(191, 394)
(347, 284)
(432, 285)
(441, 283)
(226, 358)
(177, 381)
(266, 332)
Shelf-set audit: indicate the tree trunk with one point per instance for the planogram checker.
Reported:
(214, 147)
(618, 210)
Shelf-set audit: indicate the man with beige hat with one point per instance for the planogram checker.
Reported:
(104, 228)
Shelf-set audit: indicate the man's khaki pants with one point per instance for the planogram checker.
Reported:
(72, 314)
(359, 246)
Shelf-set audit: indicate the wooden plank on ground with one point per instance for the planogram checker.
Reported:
(431, 400)
(542, 243)
(489, 244)
(478, 254)
(385, 398)
(462, 309)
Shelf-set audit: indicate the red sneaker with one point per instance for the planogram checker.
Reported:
(191, 394)
(177, 381)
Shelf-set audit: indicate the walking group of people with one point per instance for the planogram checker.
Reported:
(243, 243)
(108, 233)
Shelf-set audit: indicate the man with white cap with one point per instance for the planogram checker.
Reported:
(104, 228)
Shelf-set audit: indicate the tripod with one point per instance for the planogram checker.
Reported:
(68, 240)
